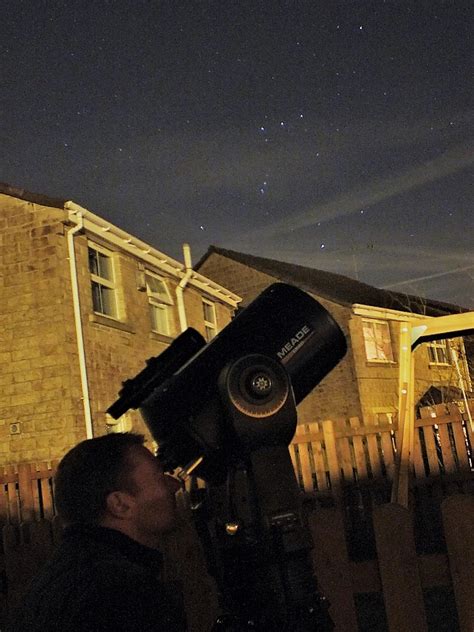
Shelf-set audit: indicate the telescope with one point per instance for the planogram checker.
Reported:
(225, 412)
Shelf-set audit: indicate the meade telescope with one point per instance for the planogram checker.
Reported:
(225, 411)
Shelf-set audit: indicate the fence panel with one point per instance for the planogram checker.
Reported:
(398, 566)
(359, 450)
(374, 456)
(388, 454)
(332, 566)
(304, 459)
(343, 446)
(458, 519)
(333, 462)
(25, 492)
(419, 454)
(319, 457)
(12, 495)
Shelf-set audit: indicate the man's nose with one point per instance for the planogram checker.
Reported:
(173, 484)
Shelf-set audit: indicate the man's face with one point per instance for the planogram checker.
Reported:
(154, 503)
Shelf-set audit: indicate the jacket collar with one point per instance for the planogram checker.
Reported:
(116, 540)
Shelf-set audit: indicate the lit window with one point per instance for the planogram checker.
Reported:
(438, 352)
(210, 322)
(160, 302)
(378, 345)
(104, 299)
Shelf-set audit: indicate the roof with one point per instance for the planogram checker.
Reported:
(336, 287)
(35, 198)
(96, 225)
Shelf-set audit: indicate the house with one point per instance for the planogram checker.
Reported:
(366, 383)
(83, 304)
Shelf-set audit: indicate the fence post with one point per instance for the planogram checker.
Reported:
(25, 492)
(458, 522)
(398, 567)
(332, 566)
(333, 461)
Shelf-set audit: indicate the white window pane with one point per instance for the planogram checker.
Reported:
(103, 299)
(438, 352)
(157, 289)
(370, 344)
(108, 300)
(155, 286)
(93, 264)
(105, 267)
(378, 345)
(100, 264)
(209, 314)
(159, 319)
(96, 298)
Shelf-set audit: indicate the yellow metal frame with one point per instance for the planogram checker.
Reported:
(412, 333)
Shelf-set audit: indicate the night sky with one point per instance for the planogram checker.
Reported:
(336, 135)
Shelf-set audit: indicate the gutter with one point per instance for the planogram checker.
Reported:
(183, 323)
(78, 228)
(95, 225)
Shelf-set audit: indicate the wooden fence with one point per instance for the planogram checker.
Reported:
(382, 566)
(328, 456)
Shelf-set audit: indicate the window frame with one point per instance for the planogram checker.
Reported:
(210, 326)
(373, 322)
(438, 346)
(159, 302)
(104, 282)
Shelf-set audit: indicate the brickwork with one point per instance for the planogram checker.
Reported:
(41, 398)
(336, 396)
(379, 381)
(356, 387)
(37, 377)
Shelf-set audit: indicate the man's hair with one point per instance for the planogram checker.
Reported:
(89, 472)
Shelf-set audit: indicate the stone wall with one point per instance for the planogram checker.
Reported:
(356, 386)
(41, 398)
(38, 378)
(336, 397)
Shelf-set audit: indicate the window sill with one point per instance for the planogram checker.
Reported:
(440, 364)
(100, 319)
(153, 335)
(389, 363)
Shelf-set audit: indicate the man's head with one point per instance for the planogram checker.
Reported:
(114, 481)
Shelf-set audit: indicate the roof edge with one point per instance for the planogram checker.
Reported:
(28, 196)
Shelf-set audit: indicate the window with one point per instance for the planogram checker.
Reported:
(104, 299)
(378, 346)
(160, 303)
(438, 352)
(210, 322)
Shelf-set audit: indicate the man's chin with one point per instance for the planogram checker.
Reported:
(171, 524)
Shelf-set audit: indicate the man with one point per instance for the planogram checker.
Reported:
(115, 502)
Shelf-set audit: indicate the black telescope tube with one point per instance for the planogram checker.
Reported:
(283, 323)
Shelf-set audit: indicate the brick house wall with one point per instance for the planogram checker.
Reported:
(378, 382)
(357, 386)
(41, 398)
(336, 396)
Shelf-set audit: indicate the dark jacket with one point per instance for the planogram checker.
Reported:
(99, 580)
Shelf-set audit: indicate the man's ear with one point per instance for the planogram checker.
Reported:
(119, 504)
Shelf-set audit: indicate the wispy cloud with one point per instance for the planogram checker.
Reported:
(453, 160)
(428, 277)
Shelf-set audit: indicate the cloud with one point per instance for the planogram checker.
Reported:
(428, 277)
(451, 161)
